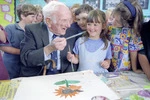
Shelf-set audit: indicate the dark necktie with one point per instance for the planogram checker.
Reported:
(54, 53)
(54, 58)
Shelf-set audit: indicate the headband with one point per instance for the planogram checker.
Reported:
(130, 7)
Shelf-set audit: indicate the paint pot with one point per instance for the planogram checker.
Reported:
(99, 98)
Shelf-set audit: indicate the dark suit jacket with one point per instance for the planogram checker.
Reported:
(32, 52)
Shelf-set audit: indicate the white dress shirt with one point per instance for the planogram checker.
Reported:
(50, 34)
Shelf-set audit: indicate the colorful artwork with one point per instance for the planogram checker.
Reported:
(99, 98)
(129, 85)
(68, 90)
(8, 17)
(7, 12)
(5, 8)
(9, 1)
(8, 89)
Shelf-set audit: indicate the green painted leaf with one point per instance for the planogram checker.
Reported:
(136, 97)
(147, 86)
(67, 85)
(67, 82)
(60, 82)
(73, 81)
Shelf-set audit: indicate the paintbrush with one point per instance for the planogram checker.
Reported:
(71, 59)
(75, 35)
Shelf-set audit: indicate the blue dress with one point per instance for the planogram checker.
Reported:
(91, 53)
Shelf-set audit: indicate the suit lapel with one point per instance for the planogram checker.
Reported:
(44, 33)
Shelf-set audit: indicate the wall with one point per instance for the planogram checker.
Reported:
(144, 3)
(101, 3)
(8, 17)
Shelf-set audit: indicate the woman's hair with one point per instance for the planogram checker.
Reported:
(98, 16)
(131, 14)
(26, 9)
(84, 8)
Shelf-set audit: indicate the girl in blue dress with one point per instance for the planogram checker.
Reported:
(92, 50)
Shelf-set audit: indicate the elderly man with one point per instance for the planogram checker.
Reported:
(39, 46)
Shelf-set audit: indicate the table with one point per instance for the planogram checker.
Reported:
(113, 85)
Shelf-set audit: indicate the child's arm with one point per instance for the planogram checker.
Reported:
(144, 64)
(73, 58)
(133, 56)
(2, 36)
(105, 64)
(10, 50)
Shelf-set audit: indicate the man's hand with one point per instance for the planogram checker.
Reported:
(59, 43)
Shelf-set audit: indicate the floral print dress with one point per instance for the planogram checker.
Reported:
(122, 42)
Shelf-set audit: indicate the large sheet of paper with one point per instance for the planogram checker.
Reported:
(69, 86)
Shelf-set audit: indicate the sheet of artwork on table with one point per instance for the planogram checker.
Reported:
(68, 86)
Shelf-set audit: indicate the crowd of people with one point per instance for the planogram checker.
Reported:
(39, 42)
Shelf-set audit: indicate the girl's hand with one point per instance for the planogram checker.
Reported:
(105, 64)
(70, 56)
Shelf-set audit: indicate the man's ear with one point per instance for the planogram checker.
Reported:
(48, 22)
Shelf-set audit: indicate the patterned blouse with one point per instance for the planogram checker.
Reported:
(123, 41)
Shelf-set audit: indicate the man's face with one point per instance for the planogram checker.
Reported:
(63, 21)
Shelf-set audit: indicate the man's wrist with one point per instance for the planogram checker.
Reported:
(48, 49)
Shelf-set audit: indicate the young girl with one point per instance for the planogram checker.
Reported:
(77, 27)
(93, 51)
(124, 35)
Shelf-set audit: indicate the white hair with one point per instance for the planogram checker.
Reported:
(50, 8)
